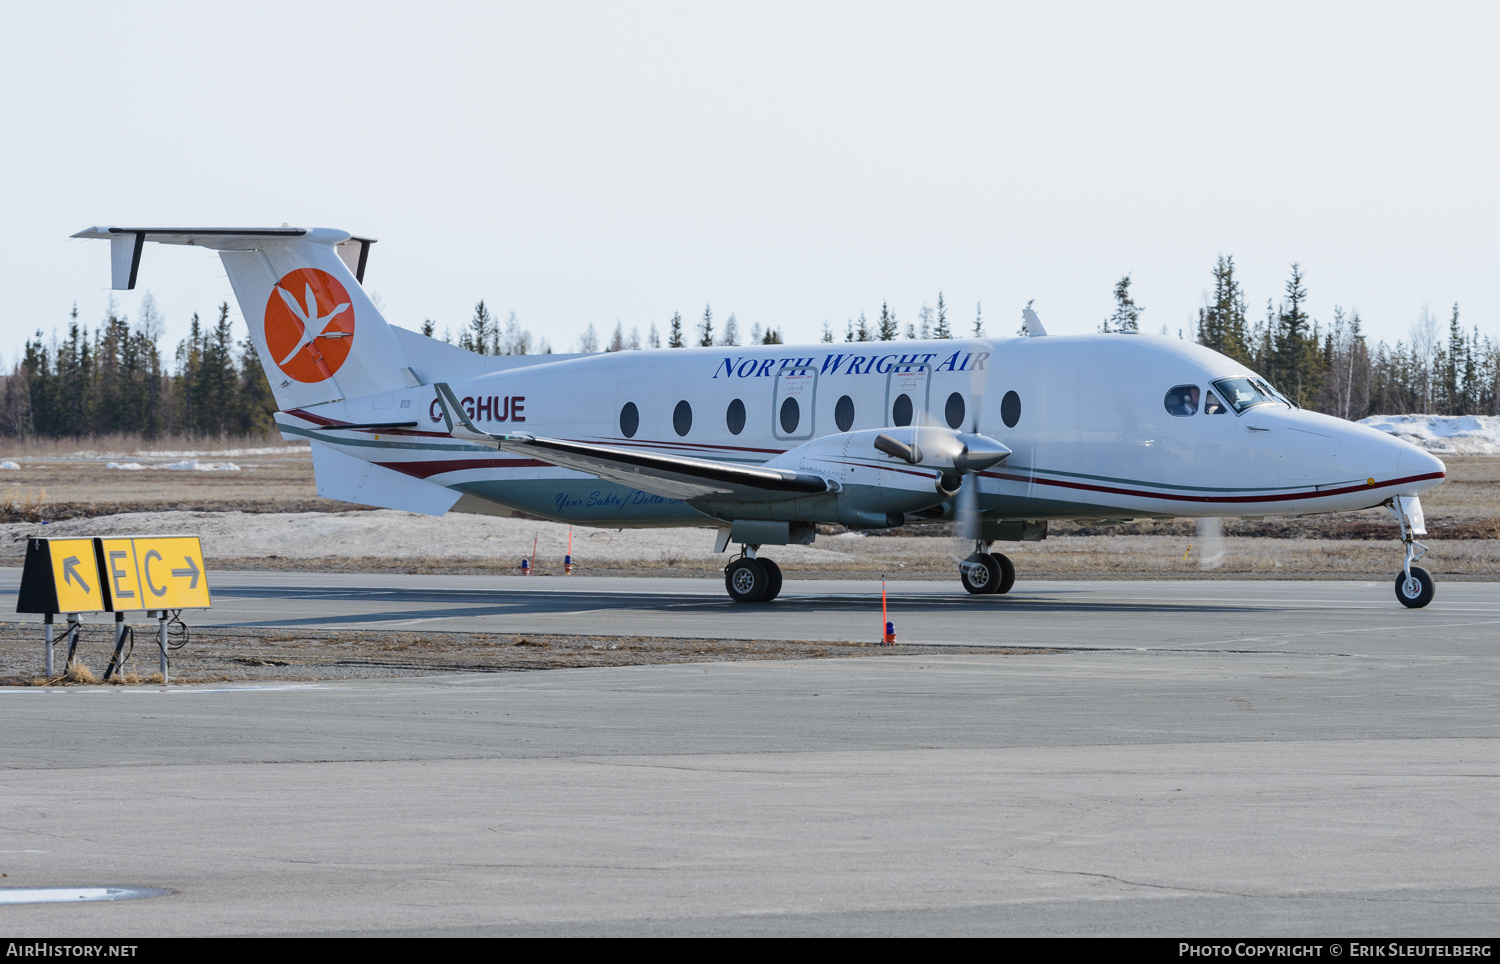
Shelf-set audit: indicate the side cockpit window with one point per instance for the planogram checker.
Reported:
(1212, 406)
(1182, 400)
(1242, 394)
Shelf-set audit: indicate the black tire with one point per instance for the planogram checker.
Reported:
(1007, 574)
(747, 580)
(980, 580)
(773, 579)
(1416, 593)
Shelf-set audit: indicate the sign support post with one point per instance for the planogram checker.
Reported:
(120, 632)
(47, 634)
(74, 630)
(161, 643)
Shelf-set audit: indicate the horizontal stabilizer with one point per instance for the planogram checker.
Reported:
(126, 244)
(348, 479)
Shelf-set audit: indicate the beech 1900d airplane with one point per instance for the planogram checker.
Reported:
(763, 443)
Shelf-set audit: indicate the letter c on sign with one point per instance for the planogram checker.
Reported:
(432, 410)
(155, 591)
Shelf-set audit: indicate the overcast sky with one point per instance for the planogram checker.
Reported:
(791, 163)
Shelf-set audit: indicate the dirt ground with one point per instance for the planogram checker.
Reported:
(226, 654)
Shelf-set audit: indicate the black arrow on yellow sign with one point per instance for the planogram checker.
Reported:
(191, 570)
(70, 573)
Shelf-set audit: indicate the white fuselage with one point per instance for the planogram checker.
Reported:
(1088, 419)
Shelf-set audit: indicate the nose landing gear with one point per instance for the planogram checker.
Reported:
(1414, 586)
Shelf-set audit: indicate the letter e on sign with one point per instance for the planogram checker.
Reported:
(122, 579)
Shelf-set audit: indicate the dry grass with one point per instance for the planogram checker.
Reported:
(72, 480)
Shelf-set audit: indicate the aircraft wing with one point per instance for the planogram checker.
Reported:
(670, 476)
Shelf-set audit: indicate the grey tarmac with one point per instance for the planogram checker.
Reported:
(1189, 758)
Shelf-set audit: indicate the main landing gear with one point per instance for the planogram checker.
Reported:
(1414, 585)
(984, 572)
(750, 579)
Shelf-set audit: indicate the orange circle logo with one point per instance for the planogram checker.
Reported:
(309, 324)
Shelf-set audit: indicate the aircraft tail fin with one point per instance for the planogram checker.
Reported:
(318, 335)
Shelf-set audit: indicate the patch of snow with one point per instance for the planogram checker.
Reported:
(1443, 434)
(193, 465)
(133, 466)
(228, 453)
(8, 465)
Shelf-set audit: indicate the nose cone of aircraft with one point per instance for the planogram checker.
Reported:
(1387, 460)
(1419, 470)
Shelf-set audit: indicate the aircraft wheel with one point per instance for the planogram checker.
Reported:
(1415, 592)
(982, 579)
(747, 580)
(1007, 574)
(773, 579)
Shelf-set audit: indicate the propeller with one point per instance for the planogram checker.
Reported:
(959, 455)
(966, 505)
(1210, 542)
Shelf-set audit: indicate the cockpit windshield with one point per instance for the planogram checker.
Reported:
(1245, 393)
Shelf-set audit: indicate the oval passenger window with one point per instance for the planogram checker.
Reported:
(1010, 409)
(901, 411)
(954, 410)
(843, 414)
(790, 416)
(630, 420)
(682, 417)
(735, 417)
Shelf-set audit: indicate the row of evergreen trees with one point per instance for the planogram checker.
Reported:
(1332, 368)
(115, 379)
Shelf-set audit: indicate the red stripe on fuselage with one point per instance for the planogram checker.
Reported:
(1212, 499)
(426, 470)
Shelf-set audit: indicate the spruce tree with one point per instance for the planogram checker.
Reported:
(706, 328)
(674, 334)
(1222, 324)
(942, 330)
(1127, 316)
(889, 327)
(480, 335)
(1294, 358)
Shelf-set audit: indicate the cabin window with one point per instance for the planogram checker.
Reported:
(734, 417)
(791, 414)
(630, 420)
(682, 417)
(901, 410)
(954, 410)
(1010, 409)
(843, 414)
(1182, 400)
(1212, 406)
